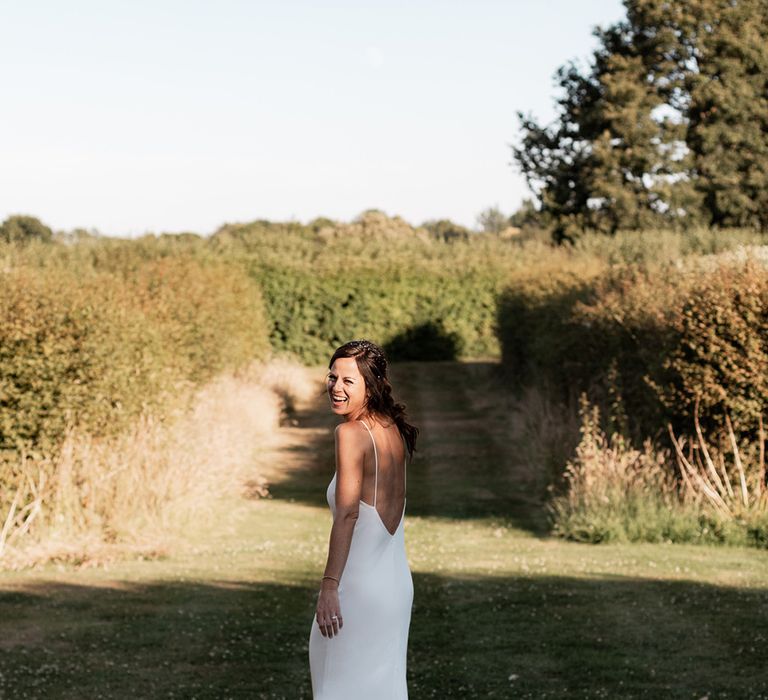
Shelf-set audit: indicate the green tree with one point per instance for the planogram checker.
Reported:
(610, 159)
(668, 125)
(491, 220)
(21, 229)
(728, 111)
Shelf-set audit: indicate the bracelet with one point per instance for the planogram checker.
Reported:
(333, 577)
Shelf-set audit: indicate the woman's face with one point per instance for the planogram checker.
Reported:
(346, 387)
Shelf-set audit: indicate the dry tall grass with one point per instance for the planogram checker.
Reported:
(618, 493)
(547, 433)
(140, 491)
(736, 494)
(613, 491)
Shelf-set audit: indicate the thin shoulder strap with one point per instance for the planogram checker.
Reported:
(376, 457)
(405, 465)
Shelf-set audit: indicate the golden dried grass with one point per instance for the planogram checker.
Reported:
(142, 490)
(618, 493)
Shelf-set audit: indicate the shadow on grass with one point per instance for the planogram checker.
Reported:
(465, 465)
(522, 637)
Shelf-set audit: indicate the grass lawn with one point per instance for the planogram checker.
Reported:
(500, 608)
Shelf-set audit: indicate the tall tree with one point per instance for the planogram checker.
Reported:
(728, 111)
(610, 159)
(668, 125)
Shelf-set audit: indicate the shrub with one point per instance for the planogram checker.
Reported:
(23, 229)
(617, 493)
(312, 313)
(93, 349)
(73, 351)
(645, 341)
(210, 312)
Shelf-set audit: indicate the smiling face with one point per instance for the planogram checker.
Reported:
(346, 384)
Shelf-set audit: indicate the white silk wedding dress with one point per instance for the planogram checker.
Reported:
(366, 660)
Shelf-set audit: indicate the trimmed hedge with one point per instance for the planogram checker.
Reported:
(72, 350)
(94, 348)
(312, 314)
(646, 341)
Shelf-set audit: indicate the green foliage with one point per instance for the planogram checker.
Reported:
(536, 327)
(728, 111)
(94, 342)
(646, 340)
(666, 127)
(23, 229)
(376, 277)
(720, 349)
(211, 312)
(311, 314)
(447, 230)
(491, 220)
(72, 351)
(546, 309)
(616, 493)
(605, 163)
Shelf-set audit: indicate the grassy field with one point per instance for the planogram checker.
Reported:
(500, 610)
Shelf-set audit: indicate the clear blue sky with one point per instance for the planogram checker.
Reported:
(136, 116)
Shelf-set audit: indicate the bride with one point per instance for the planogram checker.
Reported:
(359, 638)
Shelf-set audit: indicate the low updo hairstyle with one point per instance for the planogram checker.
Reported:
(372, 364)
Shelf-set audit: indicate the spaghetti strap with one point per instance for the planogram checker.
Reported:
(376, 456)
(405, 466)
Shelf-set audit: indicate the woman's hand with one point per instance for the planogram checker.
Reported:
(327, 607)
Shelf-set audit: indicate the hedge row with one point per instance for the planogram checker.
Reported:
(93, 348)
(647, 341)
(181, 308)
(413, 314)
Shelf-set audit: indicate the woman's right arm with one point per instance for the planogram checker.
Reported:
(350, 452)
(349, 479)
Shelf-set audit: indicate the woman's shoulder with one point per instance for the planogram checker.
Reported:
(351, 439)
(350, 429)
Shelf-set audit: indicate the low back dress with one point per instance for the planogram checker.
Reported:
(366, 660)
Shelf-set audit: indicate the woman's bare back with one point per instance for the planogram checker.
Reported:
(385, 491)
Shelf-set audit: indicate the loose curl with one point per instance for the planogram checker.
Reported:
(372, 364)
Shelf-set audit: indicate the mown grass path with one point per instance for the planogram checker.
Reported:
(500, 610)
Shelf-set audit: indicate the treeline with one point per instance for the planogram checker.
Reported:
(667, 127)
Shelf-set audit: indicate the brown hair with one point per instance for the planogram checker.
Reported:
(372, 364)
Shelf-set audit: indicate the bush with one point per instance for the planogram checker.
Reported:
(73, 351)
(645, 341)
(615, 493)
(23, 229)
(210, 312)
(312, 314)
(92, 349)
